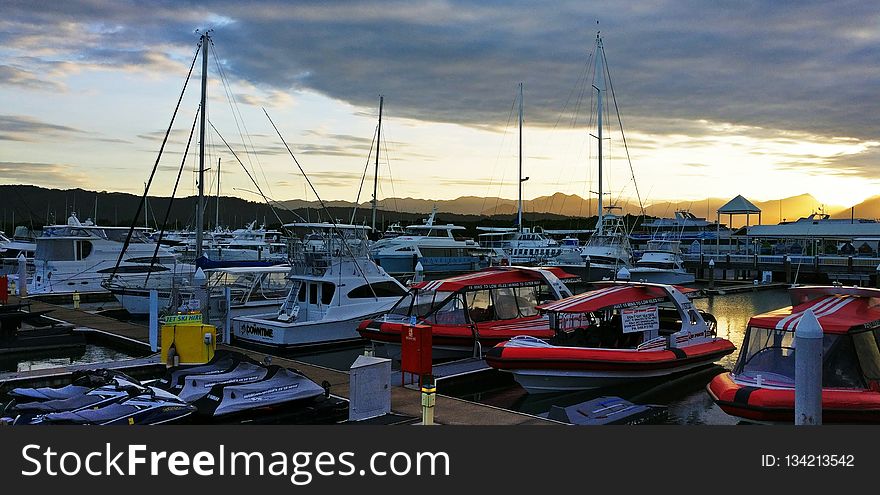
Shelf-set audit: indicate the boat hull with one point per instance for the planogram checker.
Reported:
(541, 369)
(262, 330)
(454, 341)
(668, 277)
(776, 405)
(396, 265)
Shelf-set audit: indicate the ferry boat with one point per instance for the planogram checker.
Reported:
(335, 285)
(622, 332)
(761, 386)
(475, 310)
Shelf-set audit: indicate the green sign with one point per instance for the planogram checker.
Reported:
(194, 318)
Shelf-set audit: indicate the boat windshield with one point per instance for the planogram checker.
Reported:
(770, 354)
(419, 303)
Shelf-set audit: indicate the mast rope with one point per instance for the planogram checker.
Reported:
(173, 194)
(155, 165)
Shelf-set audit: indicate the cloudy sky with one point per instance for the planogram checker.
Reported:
(767, 99)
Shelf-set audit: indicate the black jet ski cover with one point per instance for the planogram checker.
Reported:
(280, 387)
(117, 390)
(82, 382)
(153, 406)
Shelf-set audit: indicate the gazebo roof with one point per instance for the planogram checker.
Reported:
(739, 205)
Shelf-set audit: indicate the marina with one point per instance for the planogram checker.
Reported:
(310, 311)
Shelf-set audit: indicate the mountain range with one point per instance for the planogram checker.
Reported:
(37, 205)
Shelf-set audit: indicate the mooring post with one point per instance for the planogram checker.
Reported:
(21, 284)
(227, 322)
(429, 399)
(587, 265)
(201, 284)
(154, 320)
(787, 262)
(808, 371)
(419, 273)
(712, 273)
(877, 281)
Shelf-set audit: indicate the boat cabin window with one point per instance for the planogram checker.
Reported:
(301, 296)
(868, 350)
(379, 289)
(502, 303)
(327, 291)
(771, 354)
(83, 249)
(313, 293)
(54, 250)
(450, 313)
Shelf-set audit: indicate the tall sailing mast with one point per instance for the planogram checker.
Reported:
(217, 212)
(376, 172)
(599, 91)
(200, 206)
(519, 210)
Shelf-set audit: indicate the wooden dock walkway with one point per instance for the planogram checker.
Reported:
(404, 401)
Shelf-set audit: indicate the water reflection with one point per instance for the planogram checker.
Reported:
(87, 354)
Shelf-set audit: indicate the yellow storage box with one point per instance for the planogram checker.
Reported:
(188, 343)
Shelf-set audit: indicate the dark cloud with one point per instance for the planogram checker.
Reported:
(27, 129)
(809, 65)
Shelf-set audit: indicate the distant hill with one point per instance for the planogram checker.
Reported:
(572, 205)
(36, 206)
(869, 208)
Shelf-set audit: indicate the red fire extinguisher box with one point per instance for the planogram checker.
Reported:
(415, 350)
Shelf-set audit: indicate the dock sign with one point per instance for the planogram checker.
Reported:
(641, 319)
(184, 319)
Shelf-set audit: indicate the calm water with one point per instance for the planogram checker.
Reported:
(86, 355)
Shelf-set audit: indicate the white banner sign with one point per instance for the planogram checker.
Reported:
(640, 319)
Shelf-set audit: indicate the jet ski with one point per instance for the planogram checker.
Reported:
(280, 387)
(197, 386)
(152, 406)
(81, 383)
(119, 389)
(223, 362)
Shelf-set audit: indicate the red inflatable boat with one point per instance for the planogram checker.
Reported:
(761, 386)
(619, 333)
(485, 307)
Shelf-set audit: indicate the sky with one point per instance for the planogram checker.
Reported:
(766, 99)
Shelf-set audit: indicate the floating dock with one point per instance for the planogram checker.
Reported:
(404, 401)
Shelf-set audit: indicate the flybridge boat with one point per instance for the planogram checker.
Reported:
(433, 245)
(253, 290)
(761, 386)
(622, 332)
(478, 309)
(661, 263)
(80, 256)
(527, 246)
(335, 285)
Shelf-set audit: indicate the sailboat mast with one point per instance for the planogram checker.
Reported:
(519, 209)
(376, 172)
(599, 74)
(200, 206)
(217, 212)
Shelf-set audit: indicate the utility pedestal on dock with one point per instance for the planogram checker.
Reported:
(370, 388)
(808, 371)
(712, 273)
(21, 283)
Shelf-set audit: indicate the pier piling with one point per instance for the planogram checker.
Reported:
(808, 371)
